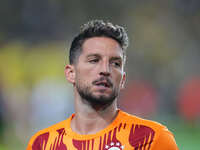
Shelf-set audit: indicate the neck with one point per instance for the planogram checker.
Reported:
(89, 119)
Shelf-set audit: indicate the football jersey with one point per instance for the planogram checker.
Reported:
(126, 132)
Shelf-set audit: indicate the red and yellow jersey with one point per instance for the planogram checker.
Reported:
(127, 132)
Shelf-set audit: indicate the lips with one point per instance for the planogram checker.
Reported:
(104, 82)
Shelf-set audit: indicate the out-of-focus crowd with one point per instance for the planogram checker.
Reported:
(162, 66)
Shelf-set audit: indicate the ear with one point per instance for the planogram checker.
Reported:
(70, 73)
(123, 81)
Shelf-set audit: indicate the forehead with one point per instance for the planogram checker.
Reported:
(102, 46)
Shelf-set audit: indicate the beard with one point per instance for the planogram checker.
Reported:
(97, 100)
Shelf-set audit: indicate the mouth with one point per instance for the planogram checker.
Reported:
(105, 83)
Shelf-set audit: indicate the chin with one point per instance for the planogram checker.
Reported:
(97, 97)
(101, 99)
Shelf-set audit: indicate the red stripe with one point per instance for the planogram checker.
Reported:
(139, 136)
(120, 127)
(40, 140)
(92, 144)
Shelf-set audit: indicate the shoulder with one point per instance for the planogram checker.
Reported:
(43, 135)
(165, 141)
(52, 128)
(132, 119)
(160, 136)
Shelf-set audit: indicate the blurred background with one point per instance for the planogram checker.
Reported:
(163, 63)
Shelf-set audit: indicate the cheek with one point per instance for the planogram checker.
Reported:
(118, 77)
(89, 72)
(84, 75)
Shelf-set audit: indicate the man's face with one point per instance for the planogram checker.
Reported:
(99, 74)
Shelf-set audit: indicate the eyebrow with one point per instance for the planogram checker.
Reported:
(97, 55)
(116, 58)
(93, 55)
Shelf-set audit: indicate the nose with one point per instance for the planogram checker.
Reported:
(104, 73)
(105, 69)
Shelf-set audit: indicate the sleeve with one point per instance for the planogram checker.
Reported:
(29, 147)
(165, 141)
(38, 141)
(30, 143)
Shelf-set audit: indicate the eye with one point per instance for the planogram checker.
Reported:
(93, 61)
(116, 64)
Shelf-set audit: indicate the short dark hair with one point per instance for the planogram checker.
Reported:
(98, 28)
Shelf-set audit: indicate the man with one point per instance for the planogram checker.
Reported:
(96, 70)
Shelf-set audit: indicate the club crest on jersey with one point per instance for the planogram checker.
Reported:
(114, 146)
